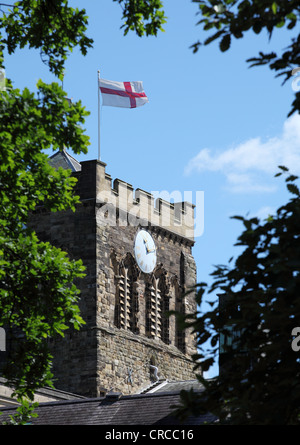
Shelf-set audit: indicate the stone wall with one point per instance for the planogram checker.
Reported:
(75, 355)
(126, 361)
(102, 356)
(121, 350)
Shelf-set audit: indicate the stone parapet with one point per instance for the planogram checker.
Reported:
(139, 207)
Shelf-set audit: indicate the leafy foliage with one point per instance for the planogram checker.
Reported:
(24, 413)
(233, 18)
(258, 309)
(49, 25)
(38, 297)
(142, 16)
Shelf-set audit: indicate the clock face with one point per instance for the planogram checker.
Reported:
(145, 251)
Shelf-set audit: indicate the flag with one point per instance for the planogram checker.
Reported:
(122, 94)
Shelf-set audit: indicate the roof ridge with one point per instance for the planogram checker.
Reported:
(61, 402)
(153, 385)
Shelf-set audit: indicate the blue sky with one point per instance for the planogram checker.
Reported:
(211, 124)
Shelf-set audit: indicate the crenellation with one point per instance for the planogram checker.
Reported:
(137, 204)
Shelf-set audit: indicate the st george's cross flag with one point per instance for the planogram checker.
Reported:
(122, 94)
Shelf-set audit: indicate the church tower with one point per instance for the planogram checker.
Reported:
(139, 264)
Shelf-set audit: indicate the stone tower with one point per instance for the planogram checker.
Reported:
(139, 264)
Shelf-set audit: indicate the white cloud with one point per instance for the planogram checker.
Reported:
(249, 166)
(264, 212)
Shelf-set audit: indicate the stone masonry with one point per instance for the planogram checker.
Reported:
(103, 356)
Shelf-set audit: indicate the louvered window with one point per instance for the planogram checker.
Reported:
(153, 310)
(157, 304)
(126, 301)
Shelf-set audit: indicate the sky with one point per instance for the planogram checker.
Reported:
(212, 125)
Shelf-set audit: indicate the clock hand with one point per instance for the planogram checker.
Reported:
(151, 250)
(146, 245)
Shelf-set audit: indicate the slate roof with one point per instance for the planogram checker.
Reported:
(63, 159)
(113, 409)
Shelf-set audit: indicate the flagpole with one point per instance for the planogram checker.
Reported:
(99, 115)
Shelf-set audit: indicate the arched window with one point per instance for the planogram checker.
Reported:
(127, 304)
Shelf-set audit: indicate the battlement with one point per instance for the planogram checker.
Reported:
(118, 202)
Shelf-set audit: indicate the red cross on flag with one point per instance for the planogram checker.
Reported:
(122, 94)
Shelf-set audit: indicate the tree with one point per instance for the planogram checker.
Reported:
(258, 316)
(36, 295)
(38, 298)
(48, 25)
(233, 18)
(142, 16)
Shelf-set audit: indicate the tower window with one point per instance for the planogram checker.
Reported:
(127, 307)
(157, 305)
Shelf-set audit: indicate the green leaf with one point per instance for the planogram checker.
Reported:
(293, 189)
(274, 7)
(291, 178)
(213, 37)
(282, 167)
(225, 43)
(280, 24)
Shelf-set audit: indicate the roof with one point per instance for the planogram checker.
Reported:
(114, 409)
(167, 386)
(41, 395)
(64, 160)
